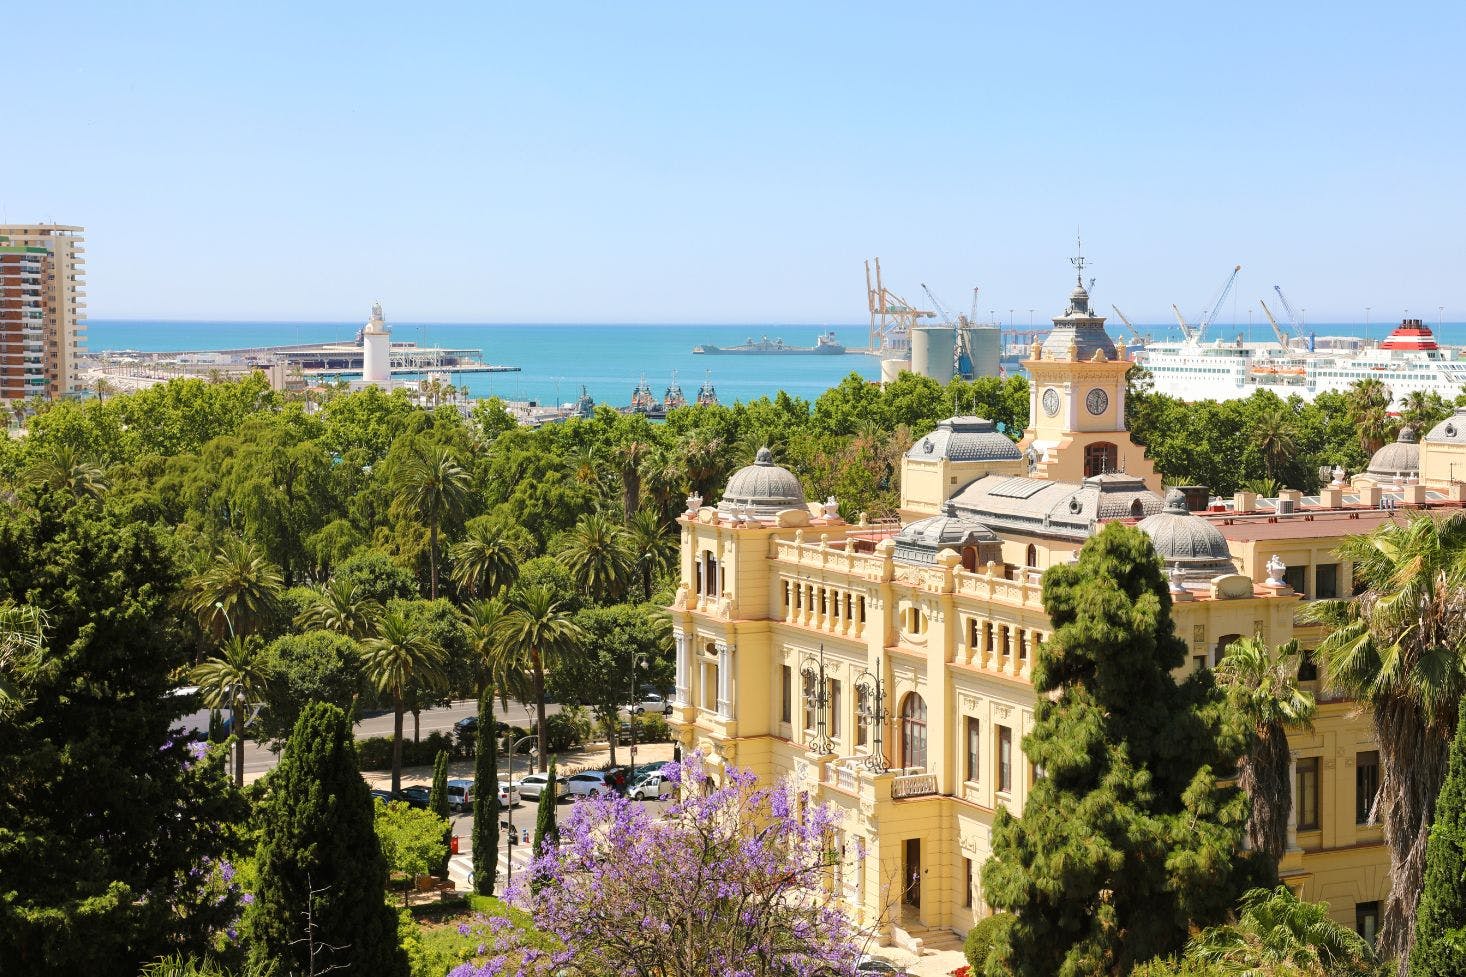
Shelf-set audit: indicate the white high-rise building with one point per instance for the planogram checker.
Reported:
(376, 350)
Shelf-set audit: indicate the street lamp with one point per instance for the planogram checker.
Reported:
(872, 713)
(633, 707)
(549, 785)
(817, 698)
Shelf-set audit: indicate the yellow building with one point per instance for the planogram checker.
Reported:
(885, 668)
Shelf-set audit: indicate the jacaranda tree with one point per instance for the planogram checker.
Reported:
(727, 882)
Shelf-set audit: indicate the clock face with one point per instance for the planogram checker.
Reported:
(1097, 401)
(1051, 401)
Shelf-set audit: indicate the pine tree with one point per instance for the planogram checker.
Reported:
(1126, 839)
(318, 848)
(545, 830)
(438, 804)
(486, 800)
(1440, 919)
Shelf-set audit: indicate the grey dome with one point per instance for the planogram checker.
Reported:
(763, 488)
(1080, 328)
(1450, 431)
(965, 439)
(1400, 457)
(1187, 541)
(920, 541)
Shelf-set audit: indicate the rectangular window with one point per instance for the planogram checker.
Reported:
(1005, 760)
(1306, 803)
(834, 708)
(974, 741)
(1326, 581)
(862, 728)
(1366, 787)
(860, 606)
(824, 601)
(786, 595)
(807, 688)
(967, 895)
(787, 712)
(1366, 919)
(1295, 576)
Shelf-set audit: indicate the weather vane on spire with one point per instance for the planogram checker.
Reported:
(1078, 260)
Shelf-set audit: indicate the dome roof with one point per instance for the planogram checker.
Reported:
(1450, 431)
(1401, 457)
(1186, 541)
(965, 439)
(763, 488)
(920, 541)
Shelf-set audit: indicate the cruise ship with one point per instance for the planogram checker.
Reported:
(1409, 360)
(826, 345)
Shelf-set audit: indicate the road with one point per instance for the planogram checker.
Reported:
(259, 760)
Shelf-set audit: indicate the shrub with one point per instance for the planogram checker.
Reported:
(982, 937)
(375, 752)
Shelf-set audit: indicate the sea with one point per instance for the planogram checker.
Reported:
(608, 360)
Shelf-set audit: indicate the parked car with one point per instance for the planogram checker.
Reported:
(460, 795)
(591, 783)
(415, 796)
(868, 964)
(531, 787)
(650, 702)
(467, 728)
(381, 795)
(508, 794)
(651, 786)
(641, 769)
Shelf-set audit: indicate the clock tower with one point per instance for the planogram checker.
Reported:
(1076, 402)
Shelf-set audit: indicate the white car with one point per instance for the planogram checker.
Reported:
(651, 786)
(460, 795)
(592, 783)
(651, 703)
(531, 787)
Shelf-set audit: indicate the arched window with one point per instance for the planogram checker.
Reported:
(1136, 509)
(913, 731)
(1099, 458)
(1031, 557)
(969, 559)
(1221, 648)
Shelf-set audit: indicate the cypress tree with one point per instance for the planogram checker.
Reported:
(1126, 840)
(545, 830)
(486, 800)
(318, 852)
(1440, 919)
(438, 804)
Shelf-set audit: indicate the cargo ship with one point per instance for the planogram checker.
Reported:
(826, 345)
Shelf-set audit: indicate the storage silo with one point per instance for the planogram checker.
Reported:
(892, 369)
(933, 351)
(985, 346)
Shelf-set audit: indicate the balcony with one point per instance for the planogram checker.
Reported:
(913, 782)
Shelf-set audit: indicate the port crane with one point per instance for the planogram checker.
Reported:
(961, 354)
(1277, 329)
(891, 317)
(1133, 331)
(1294, 319)
(1194, 333)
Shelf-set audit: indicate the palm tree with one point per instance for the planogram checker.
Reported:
(431, 488)
(598, 555)
(65, 469)
(22, 637)
(498, 668)
(1398, 648)
(664, 481)
(702, 460)
(1277, 932)
(537, 632)
(1274, 433)
(232, 680)
(239, 589)
(401, 659)
(1263, 690)
(630, 456)
(652, 548)
(487, 561)
(341, 606)
(1369, 412)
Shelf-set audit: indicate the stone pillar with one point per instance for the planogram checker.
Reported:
(684, 668)
(725, 679)
(1293, 793)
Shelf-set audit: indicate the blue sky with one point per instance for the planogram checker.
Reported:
(603, 162)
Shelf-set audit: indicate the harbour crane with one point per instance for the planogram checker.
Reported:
(1294, 319)
(1216, 307)
(1277, 329)
(1133, 331)
(891, 317)
(1186, 331)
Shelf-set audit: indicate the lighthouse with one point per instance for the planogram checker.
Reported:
(376, 344)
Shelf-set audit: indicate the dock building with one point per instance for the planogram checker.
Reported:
(886, 668)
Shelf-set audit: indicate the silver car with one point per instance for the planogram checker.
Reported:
(531, 787)
(592, 783)
(651, 786)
